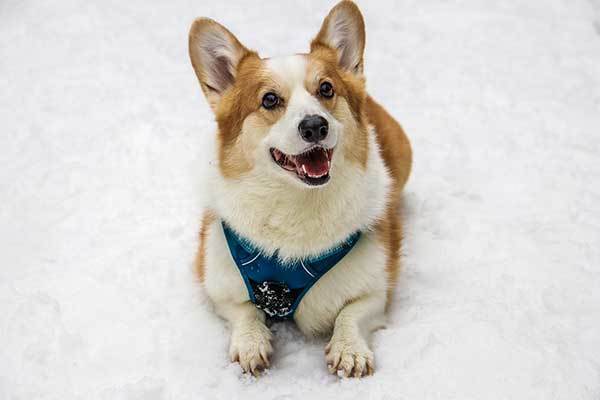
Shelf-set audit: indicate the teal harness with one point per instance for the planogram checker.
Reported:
(277, 287)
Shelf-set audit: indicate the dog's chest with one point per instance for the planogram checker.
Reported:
(360, 271)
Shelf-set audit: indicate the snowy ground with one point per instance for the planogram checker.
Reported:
(104, 137)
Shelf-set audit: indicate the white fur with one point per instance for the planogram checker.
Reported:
(360, 274)
(291, 72)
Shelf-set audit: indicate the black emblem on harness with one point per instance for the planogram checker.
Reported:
(274, 298)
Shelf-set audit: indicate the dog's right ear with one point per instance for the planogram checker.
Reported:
(215, 53)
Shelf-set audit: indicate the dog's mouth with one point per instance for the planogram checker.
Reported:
(311, 167)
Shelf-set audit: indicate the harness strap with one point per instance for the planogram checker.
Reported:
(277, 287)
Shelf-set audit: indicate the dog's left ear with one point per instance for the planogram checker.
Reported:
(344, 31)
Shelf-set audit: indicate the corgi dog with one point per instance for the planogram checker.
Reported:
(303, 221)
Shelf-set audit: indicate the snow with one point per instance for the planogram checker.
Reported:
(105, 136)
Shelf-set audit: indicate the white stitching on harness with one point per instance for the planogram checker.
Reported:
(251, 261)
(306, 269)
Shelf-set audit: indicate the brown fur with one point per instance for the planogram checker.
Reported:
(393, 142)
(238, 103)
(397, 155)
(207, 220)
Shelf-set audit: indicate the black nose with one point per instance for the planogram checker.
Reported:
(313, 128)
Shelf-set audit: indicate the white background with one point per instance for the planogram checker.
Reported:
(104, 137)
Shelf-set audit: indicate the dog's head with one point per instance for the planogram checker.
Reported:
(296, 120)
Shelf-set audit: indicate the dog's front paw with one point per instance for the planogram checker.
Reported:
(251, 347)
(350, 357)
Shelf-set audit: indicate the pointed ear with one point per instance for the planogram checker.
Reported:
(344, 31)
(215, 53)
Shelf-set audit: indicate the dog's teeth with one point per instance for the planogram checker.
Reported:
(304, 169)
(328, 164)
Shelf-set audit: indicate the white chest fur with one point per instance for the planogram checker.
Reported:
(300, 222)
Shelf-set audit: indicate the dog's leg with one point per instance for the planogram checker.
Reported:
(250, 338)
(348, 350)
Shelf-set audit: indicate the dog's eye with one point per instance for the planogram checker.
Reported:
(326, 90)
(270, 100)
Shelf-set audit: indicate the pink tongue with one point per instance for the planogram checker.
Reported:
(315, 163)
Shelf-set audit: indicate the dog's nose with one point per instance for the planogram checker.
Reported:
(313, 128)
